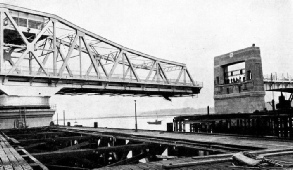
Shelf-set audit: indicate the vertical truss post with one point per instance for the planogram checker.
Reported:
(157, 72)
(80, 66)
(55, 52)
(184, 75)
(123, 63)
(1, 41)
(30, 63)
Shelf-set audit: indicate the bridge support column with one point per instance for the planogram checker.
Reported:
(25, 111)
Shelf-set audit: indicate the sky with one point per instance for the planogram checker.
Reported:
(188, 31)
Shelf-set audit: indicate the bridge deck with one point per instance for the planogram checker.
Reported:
(114, 140)
(280, 150)
(201, 138)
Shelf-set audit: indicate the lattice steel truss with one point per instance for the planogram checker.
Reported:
(44, 48)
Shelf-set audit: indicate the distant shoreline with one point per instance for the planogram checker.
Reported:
(129, 116)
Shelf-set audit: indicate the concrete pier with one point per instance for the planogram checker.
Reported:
(25, 111)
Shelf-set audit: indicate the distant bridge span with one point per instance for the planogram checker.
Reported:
(50, 55)
(281, 83)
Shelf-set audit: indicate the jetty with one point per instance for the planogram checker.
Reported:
(104, 148)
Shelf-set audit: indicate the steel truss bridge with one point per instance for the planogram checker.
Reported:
(281, 83)
(38, 49)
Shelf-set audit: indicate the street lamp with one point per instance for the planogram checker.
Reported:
(135, 116)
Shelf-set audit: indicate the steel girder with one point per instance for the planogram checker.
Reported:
(41, 47)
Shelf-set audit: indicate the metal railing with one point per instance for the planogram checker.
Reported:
(278, 77)
(25, 71)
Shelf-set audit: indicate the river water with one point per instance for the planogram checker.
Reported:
(123, 122)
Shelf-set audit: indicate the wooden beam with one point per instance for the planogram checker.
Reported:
(34, 145)
(130, 160)
(64, 167)
(35, 134)
(37, 162)
(59, 153)
(73, 147)
(24, 141)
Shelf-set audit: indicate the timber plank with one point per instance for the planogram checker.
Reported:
(10, 158)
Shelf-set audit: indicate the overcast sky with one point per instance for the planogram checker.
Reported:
(188, 31)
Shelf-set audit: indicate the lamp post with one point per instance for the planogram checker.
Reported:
(135, 116)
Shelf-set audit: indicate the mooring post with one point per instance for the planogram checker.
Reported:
(208, 110)
(64, 117)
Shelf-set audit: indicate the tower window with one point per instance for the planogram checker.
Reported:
(249, 75)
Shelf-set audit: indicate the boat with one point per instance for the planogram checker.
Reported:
(156, 122)
(76, 124)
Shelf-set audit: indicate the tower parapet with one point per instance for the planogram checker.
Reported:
(238, 82)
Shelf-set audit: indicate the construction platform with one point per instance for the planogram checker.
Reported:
(16, 157)
(80, 148)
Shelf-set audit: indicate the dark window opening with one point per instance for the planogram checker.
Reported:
(35, 24)
(26, 23)
(249, 75)
(218, 80)
(227, 90)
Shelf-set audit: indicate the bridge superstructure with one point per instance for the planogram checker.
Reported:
(275, 82)
(42, 54)
(41, 48)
